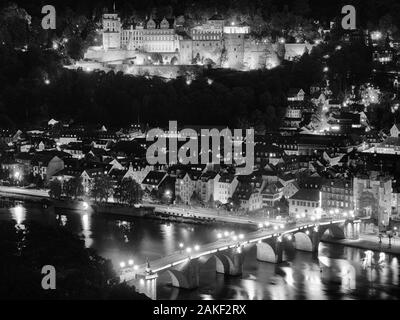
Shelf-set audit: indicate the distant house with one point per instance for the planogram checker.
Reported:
(334, 104)
(88, 176)
(272, 194)
(390, 145)
(316, 87)
(67, 137)
(13, 169)
(224, 187)
(319, 99)
(305, 204)
(395, 130)
(46, 164)
(74, 149)
(250, 199)
(52, 122)
(205, 185)
(115, 165)
(269, 173)
(296, 94)
(102, 144)
(153, 180)
(137, 171)
(337, 194)
(25, 159)
(290, 185)
(185, 185)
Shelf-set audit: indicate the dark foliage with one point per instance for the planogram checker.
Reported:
(80, 272)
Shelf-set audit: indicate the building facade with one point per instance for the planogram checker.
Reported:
(373, 196)
(214, 42)
(337, 196)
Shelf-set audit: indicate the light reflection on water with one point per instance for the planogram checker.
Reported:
(336, 273)
(18, 214)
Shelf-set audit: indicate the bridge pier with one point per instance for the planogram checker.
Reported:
(352, 230)
(186, 275)
(229, 263)
(270, 250)
(147, 284)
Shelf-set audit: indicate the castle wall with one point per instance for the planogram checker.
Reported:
(208, 50)
(111, 40)
(136, 46)
(234, 45)
(185, 51)
(255, 54)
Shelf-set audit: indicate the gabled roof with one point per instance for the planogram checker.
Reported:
(206, 176)
(272, 188)
(397, 125)
(306, 195)
(244, 192)
(93, 172)
(154, 178)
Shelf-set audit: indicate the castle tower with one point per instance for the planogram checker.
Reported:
(111, 31)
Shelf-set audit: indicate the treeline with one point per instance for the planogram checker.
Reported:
(233, 98)
(35, 87)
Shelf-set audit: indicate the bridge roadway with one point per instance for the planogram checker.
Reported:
(179, 257)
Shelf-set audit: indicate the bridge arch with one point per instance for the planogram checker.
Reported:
(334, 230)
(303, 242)
(266, 253)
(186, 276)
(229, 263)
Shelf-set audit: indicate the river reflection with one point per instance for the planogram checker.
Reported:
(337, 272)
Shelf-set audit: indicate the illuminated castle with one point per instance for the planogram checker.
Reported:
(214, 42)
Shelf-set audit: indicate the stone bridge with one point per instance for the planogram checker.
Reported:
(228, 254)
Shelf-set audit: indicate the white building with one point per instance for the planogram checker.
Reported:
(395, 130)
(305, 204)
(137, 172)
(250, 199)
(224, 188)
(205, 186)
(185, 186)
(111, 31)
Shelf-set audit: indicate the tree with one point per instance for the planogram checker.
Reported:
(102, 188)
(154, 195)
(55, 189)
(80, 272)
(73, 188)
(236, 204)
(210, 202)
(178, 199)
(195, 199)
(129, 191)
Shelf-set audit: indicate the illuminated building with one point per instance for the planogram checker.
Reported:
(373, 196)
(215, 42)
(305, 204)
(337, 194)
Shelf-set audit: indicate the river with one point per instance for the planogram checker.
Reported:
(337, 272)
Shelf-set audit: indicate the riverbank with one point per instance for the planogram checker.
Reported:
(366, 243)
(149, 211)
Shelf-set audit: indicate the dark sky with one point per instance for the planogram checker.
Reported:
(367, 10)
